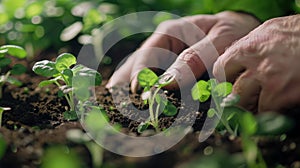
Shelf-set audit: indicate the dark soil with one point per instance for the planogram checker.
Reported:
(35, 123)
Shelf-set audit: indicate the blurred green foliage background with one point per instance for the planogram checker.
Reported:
(38, 25)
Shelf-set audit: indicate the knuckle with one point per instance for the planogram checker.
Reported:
(190, 57)
(224, 29)
(249, 45)
(272, 21)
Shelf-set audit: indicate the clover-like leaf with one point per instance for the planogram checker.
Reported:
(147, 77)
(200, 91)
(45, 68)
(14, 50)
(223, 89)
(64, 61)
(170, 109)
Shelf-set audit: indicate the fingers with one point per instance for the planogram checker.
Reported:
(284, 94)
(191, 64)
(248, 88)
(121, 75)
(228, 67)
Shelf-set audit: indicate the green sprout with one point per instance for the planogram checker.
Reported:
(63, 76)
(239, 122)
(17, 69)
(157, 102)
(203, 90)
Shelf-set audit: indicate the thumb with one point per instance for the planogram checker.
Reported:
(191, 64)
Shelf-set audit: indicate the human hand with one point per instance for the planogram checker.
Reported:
(265, 65)
(198, 40)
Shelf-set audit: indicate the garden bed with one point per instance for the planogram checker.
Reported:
(36, 123)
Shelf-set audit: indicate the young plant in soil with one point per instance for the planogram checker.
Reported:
(239, 122)
(17, 69)
(157, 102)
(63, 76)
(203, 90)
(5, 61)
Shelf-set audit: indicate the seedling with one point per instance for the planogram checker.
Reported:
(237, 121)
(157, 102)
(203, 90)
(17, 69)
(63, 76)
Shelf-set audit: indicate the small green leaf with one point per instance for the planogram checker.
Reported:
(60, 94)
(4, 62)
(147, 77)
(14, 81)
(64, 61)
(223, 89)
(46, 83)
(273, 124)
(170, 109)
(18, 69)
(15, 51)
(68, 74)
(142, 127)
(200, 91)
(45, 68)
(211, 112)
(248, 123)
(70, 115)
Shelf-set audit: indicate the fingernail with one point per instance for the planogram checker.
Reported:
(134, 85)
(166, 78)
(169, 76)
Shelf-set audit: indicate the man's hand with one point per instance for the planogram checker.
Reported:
(198, 40)
(265, 65)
